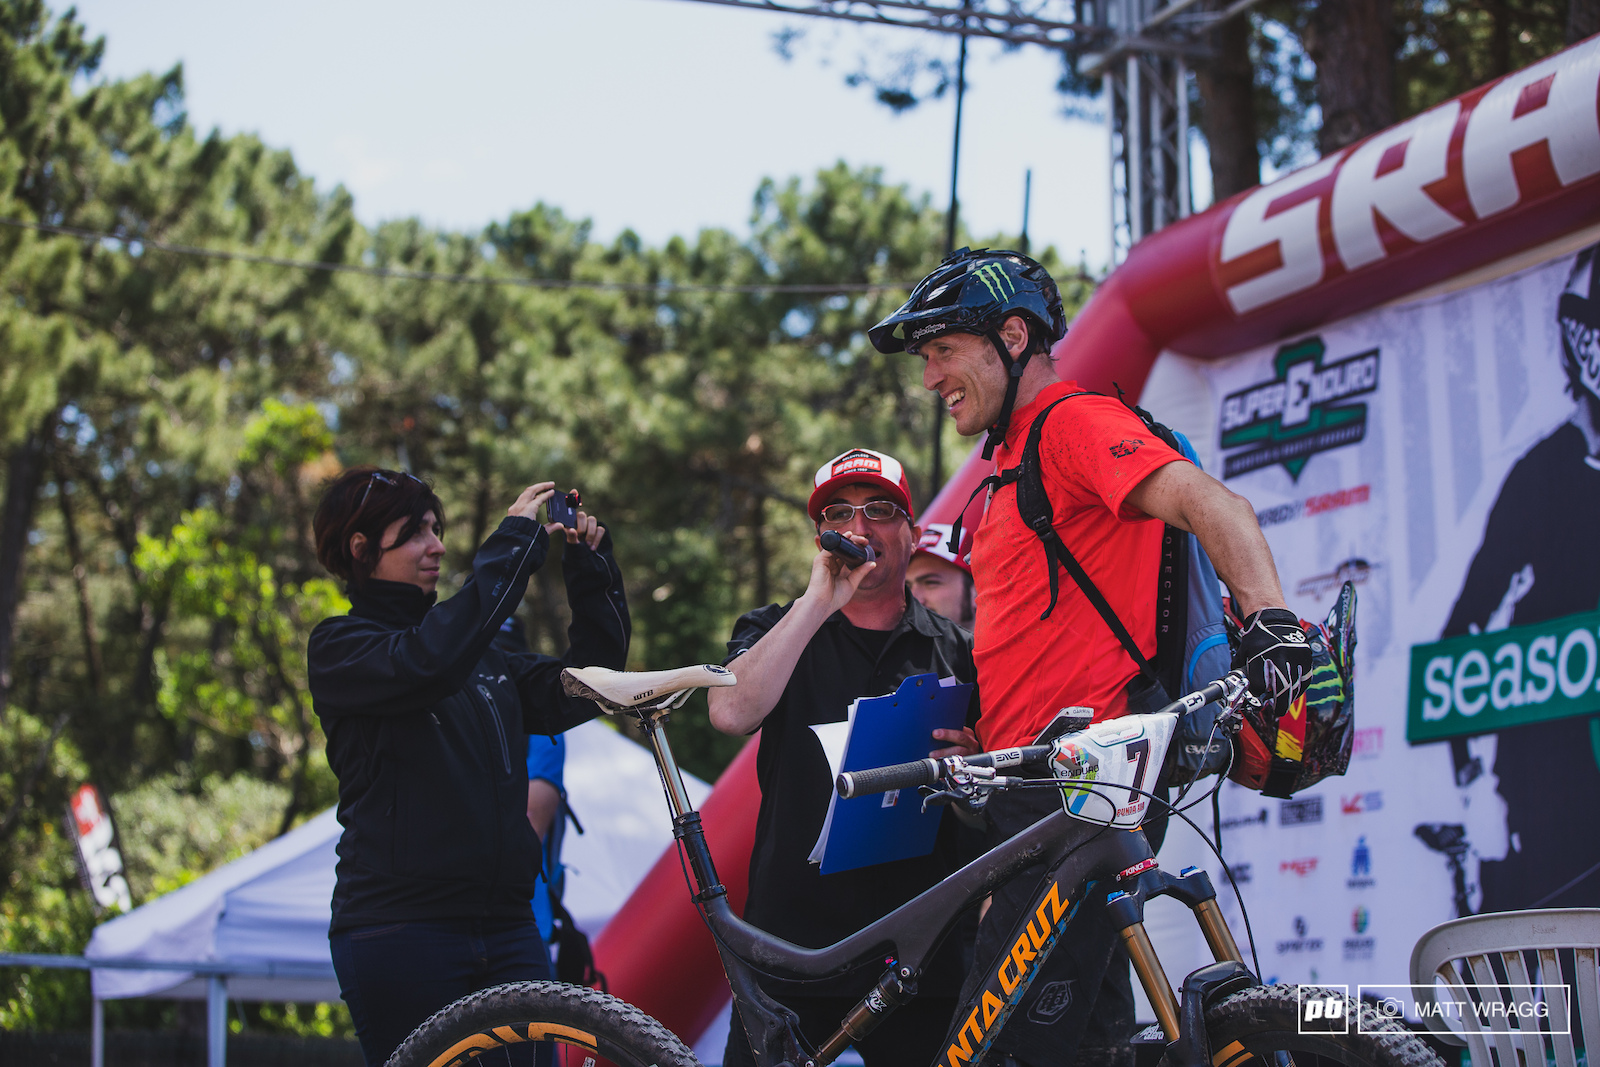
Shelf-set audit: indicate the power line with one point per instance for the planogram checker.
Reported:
(454, 279)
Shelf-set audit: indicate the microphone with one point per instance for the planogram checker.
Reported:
(854, 555)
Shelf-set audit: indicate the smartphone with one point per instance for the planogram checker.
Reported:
(563, 508)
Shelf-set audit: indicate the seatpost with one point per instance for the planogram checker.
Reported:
(667, 766)
(685, 820)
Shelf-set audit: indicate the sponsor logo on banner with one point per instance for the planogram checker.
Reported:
(1360, 867)
(1243, 874)
(1359, 948)
(1314, 505)
(1302, 811)
(1302, 867)
(1302, 941)
(1484, 683)
(1234, 822)
(1361, 803)
(1368, 743)
(1354, 571)
(1360, 919)
(1301, 411)
(1529, 134)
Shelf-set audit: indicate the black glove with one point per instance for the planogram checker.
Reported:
(1274, 656)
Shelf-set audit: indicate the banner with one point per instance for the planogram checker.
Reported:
(99, 861)
(1442, 455)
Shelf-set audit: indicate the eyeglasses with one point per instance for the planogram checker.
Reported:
(875, 510)
(379, 476)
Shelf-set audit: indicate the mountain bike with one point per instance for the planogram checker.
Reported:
(1093, 847)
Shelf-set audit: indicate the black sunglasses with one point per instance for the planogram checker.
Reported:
(379, 476)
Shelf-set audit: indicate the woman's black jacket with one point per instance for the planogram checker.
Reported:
(427, 726)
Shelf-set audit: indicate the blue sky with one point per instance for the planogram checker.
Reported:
(659, 115)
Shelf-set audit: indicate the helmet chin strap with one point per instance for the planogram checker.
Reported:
(1014, 368)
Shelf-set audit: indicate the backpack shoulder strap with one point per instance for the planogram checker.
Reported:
(1033, 504)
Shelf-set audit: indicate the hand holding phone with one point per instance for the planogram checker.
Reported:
(563, 508)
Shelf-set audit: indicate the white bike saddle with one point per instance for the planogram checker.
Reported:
(623, 690)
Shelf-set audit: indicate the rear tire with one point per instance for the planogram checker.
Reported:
(584, 1026)
(1251, 1027)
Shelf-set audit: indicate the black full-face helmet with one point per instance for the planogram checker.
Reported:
(975, 291)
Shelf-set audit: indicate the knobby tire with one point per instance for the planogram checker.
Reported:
(583, 1025)
(1251, 1027)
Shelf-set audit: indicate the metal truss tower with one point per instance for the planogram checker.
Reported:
(1140, 49)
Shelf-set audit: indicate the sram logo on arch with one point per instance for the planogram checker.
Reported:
(1527, 135)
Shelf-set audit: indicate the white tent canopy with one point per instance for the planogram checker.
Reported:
(269, 911)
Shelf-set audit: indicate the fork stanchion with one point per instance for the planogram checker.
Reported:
(1126, 912)
(1143, 955)
(1215, 927)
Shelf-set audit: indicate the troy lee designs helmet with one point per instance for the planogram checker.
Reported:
(975, 292)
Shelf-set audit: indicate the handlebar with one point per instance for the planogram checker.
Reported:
(886, 779)
(1231, 688)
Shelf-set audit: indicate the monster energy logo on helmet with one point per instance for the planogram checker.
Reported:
(974, 292)
(1000, 286)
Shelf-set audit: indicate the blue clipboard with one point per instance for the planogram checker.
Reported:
(890, 729)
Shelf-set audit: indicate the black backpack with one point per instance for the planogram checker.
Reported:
(1191, 637)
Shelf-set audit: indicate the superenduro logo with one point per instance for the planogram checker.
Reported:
(1297, 414)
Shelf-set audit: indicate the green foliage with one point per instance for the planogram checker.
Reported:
(174, 830)
(1448, 48)
(186, 412)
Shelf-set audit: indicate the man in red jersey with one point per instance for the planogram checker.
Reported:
(984, 324)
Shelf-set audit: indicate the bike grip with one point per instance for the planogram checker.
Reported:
(852, 554)
(883, 779)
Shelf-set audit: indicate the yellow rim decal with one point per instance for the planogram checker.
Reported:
(1230, 1055)
(477, 1044)
(544, 1031)
(470, 1046)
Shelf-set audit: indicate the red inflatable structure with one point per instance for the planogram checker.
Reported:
(1510, 169)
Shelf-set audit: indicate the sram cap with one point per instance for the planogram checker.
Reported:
(857, 466)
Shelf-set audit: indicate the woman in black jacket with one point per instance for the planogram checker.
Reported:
(427, 725)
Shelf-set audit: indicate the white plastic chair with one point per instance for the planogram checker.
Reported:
(1509, 949)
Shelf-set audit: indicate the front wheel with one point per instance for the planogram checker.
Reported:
(1261, 1027)
(581, 1026)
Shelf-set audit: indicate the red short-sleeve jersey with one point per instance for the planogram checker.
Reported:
(1092, 453)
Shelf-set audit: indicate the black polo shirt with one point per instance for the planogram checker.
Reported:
(789, 896)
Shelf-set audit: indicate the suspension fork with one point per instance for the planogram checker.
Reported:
(1126, 911)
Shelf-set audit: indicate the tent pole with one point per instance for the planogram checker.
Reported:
(216, 1021)
(97, 1033)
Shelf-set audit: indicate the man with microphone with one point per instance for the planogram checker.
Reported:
(854, 632)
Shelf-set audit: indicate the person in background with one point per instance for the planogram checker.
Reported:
(427, 725)
(941, 579)
(852, 633)
(547, 800)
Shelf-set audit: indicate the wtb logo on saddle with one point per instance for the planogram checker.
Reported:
(1011, 979)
